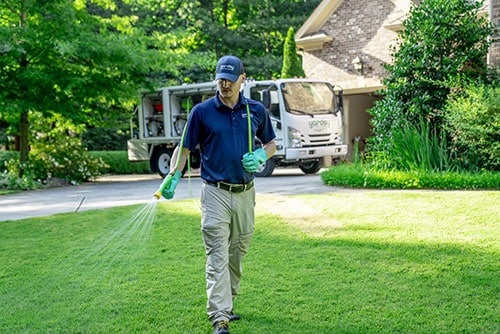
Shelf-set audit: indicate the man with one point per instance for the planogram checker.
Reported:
(220, 127)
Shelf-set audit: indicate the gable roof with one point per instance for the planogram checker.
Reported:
(318, 18)
(309, 36)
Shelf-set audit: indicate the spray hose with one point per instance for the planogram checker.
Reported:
(168, 179)
(249, 122)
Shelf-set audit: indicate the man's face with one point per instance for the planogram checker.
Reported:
(228, 89)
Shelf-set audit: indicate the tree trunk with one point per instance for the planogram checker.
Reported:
(24, 147)
(24, 118)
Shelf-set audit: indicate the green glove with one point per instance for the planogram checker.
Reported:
(170, 184)
(252, 161)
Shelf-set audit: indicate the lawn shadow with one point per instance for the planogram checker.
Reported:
(340, 285)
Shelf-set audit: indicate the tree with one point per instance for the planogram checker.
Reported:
(58, 59)
(253, 30)
(292, 66)
(442, 41)
(85, 60)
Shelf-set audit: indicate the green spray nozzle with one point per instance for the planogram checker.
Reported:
(167, 187)
(163, 185)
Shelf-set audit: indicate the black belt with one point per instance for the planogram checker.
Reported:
(231, 187)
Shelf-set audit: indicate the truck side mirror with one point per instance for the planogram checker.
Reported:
(266, 99)
(340, 104)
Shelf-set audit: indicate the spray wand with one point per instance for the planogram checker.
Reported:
(249, 123)
(170, 181)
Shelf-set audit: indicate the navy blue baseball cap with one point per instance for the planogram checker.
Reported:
(229, 68)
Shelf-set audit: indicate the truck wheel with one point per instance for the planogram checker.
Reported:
(310, 167)
(163, 159)
(266, 169)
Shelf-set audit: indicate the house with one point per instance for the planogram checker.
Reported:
(348, 41)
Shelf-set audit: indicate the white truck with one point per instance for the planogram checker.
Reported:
(306, 116)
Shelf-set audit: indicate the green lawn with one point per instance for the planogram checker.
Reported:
(354, 262)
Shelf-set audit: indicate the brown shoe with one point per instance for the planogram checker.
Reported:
(221, 327)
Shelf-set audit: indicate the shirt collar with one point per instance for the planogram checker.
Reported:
(242, 101)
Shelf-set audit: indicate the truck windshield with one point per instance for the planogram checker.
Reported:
(308, 98)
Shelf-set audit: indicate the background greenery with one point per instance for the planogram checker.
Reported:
(375, 262)
(70, 73)
(440, 53)
(86, 61)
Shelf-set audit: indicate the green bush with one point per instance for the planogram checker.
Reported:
(363, 176)
(442, 40)
(473, 122)
(6, 156)
(420, 148)
(117, 163)
(56, 152)
(105, 139)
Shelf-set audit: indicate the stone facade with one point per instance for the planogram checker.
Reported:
(361, 31)
(358, 39)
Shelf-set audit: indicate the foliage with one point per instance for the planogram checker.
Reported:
(472, 119)
(365, 176)
(60, 59)
(105, 139)
(198, 32)
(385, 262)
(117, 163)
(12, 182)
(292, 65)
(442, 40)
(420, 148)
(57, 152)
(86, 60)
(6, 156)
(103, 162)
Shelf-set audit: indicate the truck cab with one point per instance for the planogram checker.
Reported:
(307, 119)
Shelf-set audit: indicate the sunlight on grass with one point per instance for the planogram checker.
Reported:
(376, 262)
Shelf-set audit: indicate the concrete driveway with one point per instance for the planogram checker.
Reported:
(119, 190)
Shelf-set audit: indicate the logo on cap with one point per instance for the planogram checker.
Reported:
(227, 68)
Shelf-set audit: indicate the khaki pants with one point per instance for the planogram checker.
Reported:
(227, 225)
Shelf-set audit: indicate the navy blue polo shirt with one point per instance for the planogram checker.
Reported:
(222, 135)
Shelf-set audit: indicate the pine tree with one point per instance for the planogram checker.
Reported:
(292, 67)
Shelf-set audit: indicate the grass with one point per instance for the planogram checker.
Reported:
(377, 262)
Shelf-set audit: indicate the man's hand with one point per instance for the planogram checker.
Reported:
(252, 161)
(170, 184)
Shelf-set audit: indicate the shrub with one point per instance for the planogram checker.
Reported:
(473, 122)
(363, 176)
(117, 163)
(420, 148)
(441, 41)
(13, 182)
(104, 139)
(57, 152)
(5, 157)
